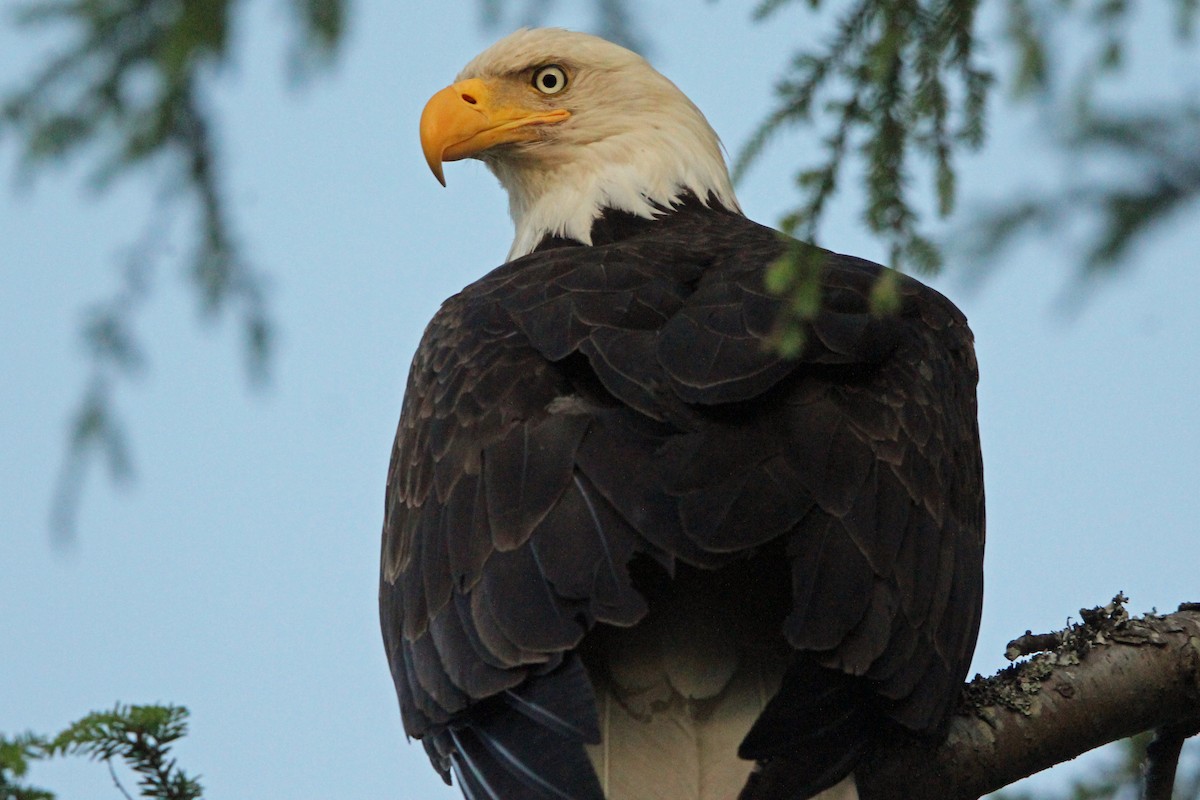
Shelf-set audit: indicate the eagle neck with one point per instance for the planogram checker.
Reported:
(615, 225)
(565, 192)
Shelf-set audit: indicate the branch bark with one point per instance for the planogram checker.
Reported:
(1110, 677)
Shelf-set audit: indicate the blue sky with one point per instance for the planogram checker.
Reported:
(236, 574)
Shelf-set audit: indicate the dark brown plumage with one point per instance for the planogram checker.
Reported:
(592, 432)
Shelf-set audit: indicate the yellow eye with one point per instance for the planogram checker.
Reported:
(550, 80)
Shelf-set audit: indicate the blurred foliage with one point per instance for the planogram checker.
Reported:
(897, 78)
(139, 736)
(1132, 167)
(1151, 173)
(15, 755)
(898, 83)
(613, 18)
(128, 93)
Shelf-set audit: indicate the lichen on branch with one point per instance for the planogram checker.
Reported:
(1106, 678)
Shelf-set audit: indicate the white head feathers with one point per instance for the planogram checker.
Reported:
(634, 142)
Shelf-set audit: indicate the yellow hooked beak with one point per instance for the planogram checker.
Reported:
(466, 118)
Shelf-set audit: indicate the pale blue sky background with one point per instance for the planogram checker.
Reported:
(237, 575)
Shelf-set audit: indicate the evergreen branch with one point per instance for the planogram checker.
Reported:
(128, 92)
(908, 71)
(1186, 12)
(1129, 214)
(1027, 38)
(15, 755)
(766, 8)
(614, 19)
(320, 26)
(888, 72)
(1029, 33)
(113, 348)
(1159, 175)
(615, 23)
(221, 276)
(810, 74)
(142, 737)
(112, 773)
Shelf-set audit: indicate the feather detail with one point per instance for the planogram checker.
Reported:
(846, 790)
(528, 743)
(676, 694)
(583, 416)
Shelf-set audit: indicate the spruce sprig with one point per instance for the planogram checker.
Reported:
(139, 736)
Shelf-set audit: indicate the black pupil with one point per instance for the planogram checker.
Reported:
(549, 80)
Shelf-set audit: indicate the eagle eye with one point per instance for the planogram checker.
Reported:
(550, 79)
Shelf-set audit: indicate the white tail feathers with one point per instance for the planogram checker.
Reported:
(678, 749)
(683, 750)
(676, 695)
(846, 790)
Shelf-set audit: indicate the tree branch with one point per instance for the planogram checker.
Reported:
(1109, 678)
(1162, 760)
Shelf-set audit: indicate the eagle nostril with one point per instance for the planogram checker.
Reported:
(468, 99)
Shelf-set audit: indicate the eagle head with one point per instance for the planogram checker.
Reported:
(573, 125)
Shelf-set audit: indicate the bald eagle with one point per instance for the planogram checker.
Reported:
(630, 550)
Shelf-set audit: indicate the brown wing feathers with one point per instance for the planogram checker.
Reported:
(583, 410)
